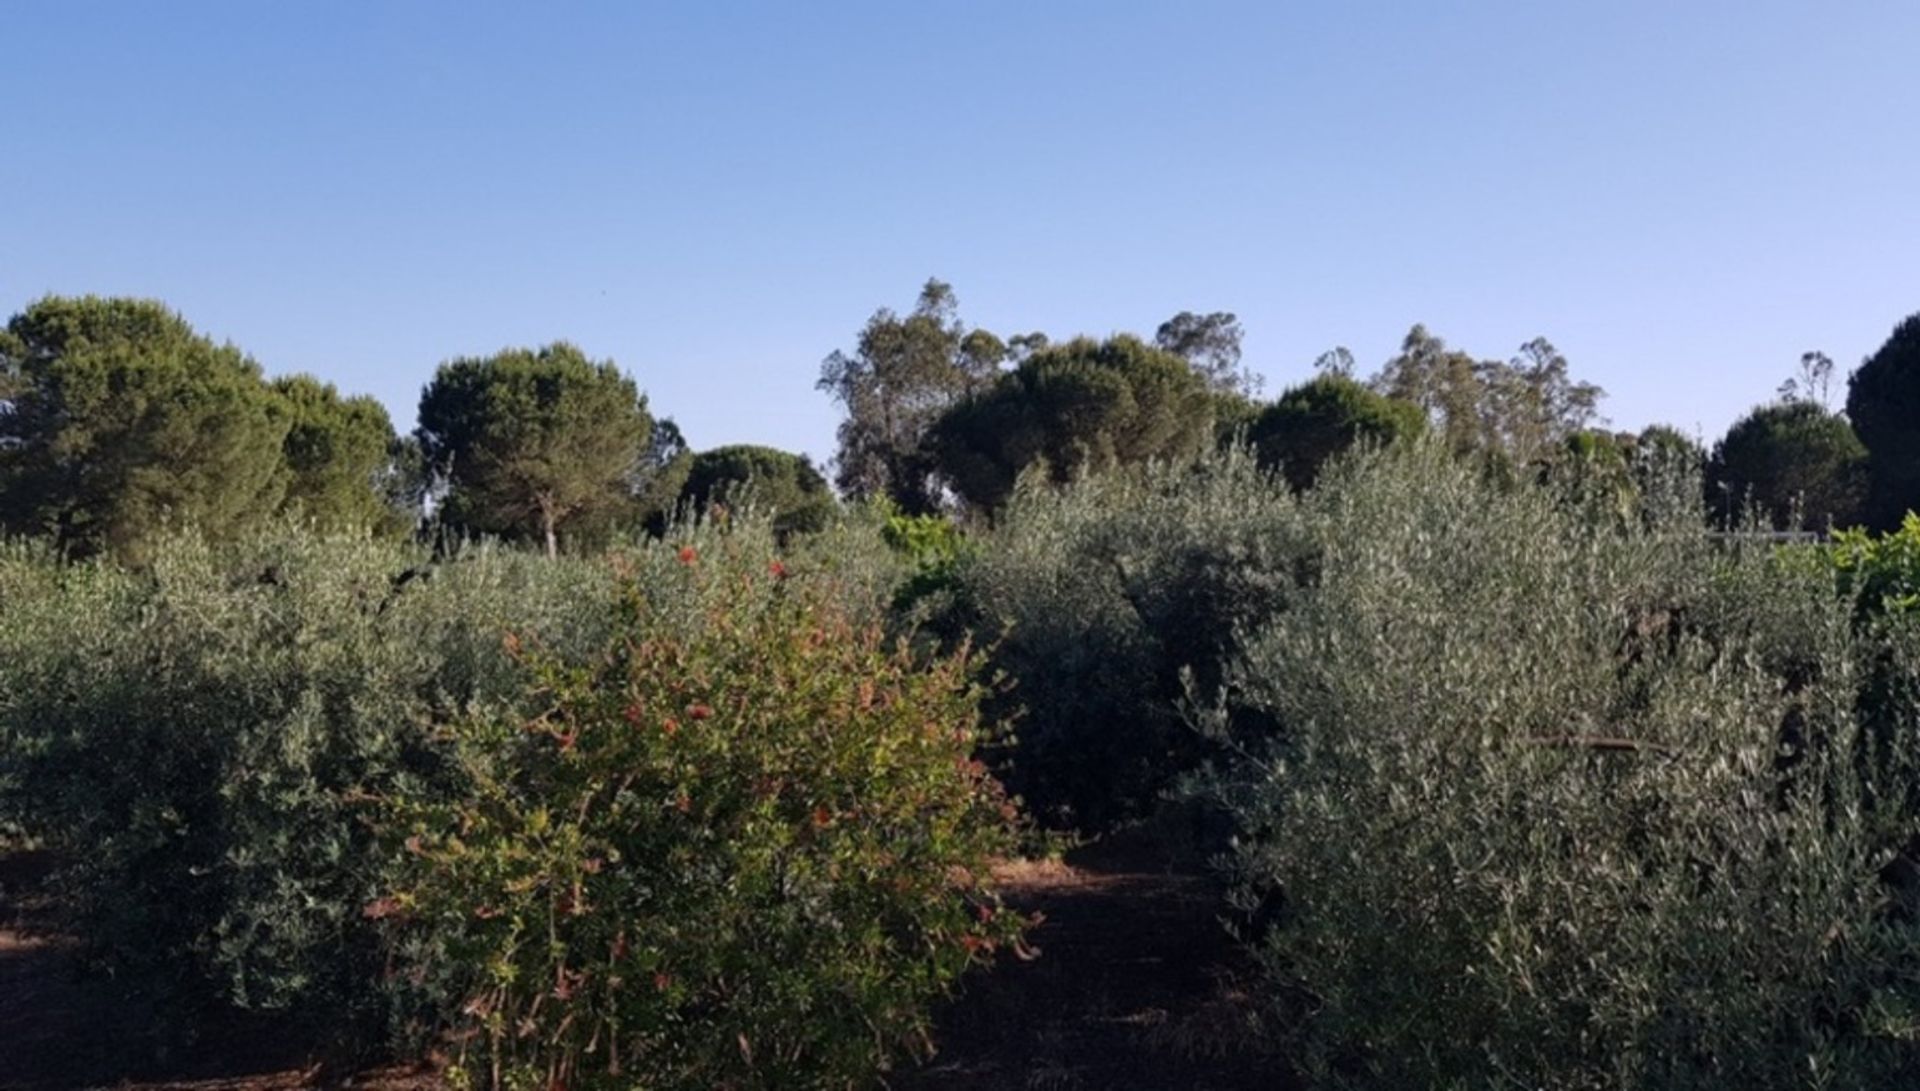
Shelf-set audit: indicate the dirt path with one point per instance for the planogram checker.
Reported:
(1133, 989)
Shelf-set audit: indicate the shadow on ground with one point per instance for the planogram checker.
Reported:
(1137, 987)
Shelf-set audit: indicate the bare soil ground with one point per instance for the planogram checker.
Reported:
(1138, 986)
(1135, 988)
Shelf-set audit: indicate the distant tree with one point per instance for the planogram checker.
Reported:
(120, 420)
(1070, 408)
(1210, 344)
(903, 373)
(1318, 419)
(1812, 383)
(662, 477)
(1335, 361)
(530, 442)
(1233, 414)
(1522, 409)
(339, 454)
(786, 485)
(1022, 345)
(1787, 457)
(406, 485)
(1666, 441)
(1883, 402)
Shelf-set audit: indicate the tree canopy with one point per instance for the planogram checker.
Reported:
(529, 443)
(1787, 457)
(1883, 402)
(1522, 409)
(1210, 344)
(903, 373)
(1080, 406)
(122, 420)
(340, 454)
(785, 484)
(1316, 420)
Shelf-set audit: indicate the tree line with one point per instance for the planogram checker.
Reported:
(940, 416)
(117, 419)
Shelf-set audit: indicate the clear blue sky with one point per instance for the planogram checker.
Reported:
(1682, 196)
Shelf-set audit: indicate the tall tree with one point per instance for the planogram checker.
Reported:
(902, 374)
(1523, 409)
(1210, 344)
(1442, 381)
(1883, 402)
(1071, 408)
(1319, 419)
(339, 454)
(1789, 457)
(1813, 382)
(121, 420)
(786, 485)
(529, 442)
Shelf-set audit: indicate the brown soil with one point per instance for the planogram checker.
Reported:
(1134, 988)
(1137, 987)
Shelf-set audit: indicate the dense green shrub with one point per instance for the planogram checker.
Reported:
(741, 846)
(1100, 596)
(1881, 571)
(1531, 800)
(193, 741)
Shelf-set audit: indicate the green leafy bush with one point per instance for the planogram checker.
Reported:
(1882, 571)
(1529, 799)
(743, 845)
(1104, 600)
(195, 742)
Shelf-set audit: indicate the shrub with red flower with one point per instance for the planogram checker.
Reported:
(772, 901)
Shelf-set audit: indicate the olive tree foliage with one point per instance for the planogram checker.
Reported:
(1791, 465)
(1527, 799)
(342, 458)
(785, 486)
(1883, 403)
(121, 420)
(1210, 344)
(1523, 408)
(1069, 409)
(532, 443)
(902, 374)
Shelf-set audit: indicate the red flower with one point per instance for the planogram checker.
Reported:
(822, 817)
(669, 725)
(699, 712)
(662, 980)
(633, 713)
(777, 570)
(688, 555)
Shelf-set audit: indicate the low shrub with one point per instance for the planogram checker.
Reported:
(742, 845)
(1529, 798)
